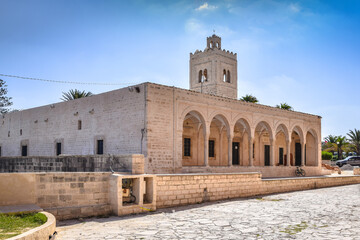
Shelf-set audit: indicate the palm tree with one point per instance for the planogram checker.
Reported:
(249, 98)
(74, 94)
(284, 106)
(336, 143)
(354, 138)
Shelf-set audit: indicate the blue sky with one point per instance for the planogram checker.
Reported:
(305, 53)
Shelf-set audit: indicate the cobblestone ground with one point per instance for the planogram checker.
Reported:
(328, 213)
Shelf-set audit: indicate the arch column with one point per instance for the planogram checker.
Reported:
(288, 152)
(272, 152)
(206, 147)
(251, 149)
(230, 138)
(303, 153)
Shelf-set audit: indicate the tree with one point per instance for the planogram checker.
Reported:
(75, 94)
(4, 100)
(284, 106)
(338, 143)
(249, 98)
(354, 138)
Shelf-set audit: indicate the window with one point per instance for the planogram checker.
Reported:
(24, 150)
(79, 124)
(281, 156)
(58, 148)
(224, 75)
(20, 132)
(205, 75)
(200, 76)
(100, 147)
(0, 151)
(187, 147)
(211, 148)
(228, 76)
(254, 150)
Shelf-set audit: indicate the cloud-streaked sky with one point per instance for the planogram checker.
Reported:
(304, 53)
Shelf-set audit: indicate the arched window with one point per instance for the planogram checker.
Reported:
(205, 75)
(217, 45)
(211, 44)
(224, 75)
(228, 76)
(200, 76)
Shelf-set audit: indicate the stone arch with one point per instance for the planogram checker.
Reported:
(282, 139)
(219, 140)
(299, 131)
(263, 144)
(311, 148)
(193, 138)
(241, 142)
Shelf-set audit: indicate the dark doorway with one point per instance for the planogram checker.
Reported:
(58, 148)
(281, 156)
(24, 151)
(267, 155)
(297, 154)
(235, 153)
(100, 147)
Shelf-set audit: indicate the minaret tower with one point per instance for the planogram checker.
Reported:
(214, 71)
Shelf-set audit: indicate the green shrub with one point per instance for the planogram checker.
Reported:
(326, 155)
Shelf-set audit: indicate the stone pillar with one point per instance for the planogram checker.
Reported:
(272, 152)
(206, 148)
(230, 138)
(303, 154)
(251, 157)
(288, 153)
(220, 147)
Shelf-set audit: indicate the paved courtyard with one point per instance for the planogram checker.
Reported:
(328, 213)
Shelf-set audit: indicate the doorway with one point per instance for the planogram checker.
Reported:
(235, 153)
(267, 155)
(297, 154)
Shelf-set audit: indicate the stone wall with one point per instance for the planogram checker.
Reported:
(66, 195)
(133, 163)
(116, 117)
(183, 189)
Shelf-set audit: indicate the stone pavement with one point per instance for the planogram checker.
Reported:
(327, 213)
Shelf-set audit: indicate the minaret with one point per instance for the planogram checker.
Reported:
(214, 71)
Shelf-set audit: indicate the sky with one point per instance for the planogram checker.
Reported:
(304, 53)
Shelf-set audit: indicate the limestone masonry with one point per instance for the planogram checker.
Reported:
(204, 129)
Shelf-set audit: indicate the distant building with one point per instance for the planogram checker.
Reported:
(204, 129)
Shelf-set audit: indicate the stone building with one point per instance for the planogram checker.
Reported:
(204, 129)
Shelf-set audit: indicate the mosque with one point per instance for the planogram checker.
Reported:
(202, 130)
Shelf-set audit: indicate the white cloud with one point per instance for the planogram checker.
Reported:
(295, 7)
(206, 6)
(193, 25)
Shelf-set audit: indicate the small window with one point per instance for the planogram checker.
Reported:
(100, 147)
(187, 147)
(211, 148)
(205, 75)
(8, 133)
(79, 125)
(224, 75)
(0, 151)
(253, 150)
(58, 148)
(281, 156)
(20, 132)
(228, 76)
(24, 150)
(200, 76)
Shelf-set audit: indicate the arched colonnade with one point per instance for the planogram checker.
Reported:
(216, 141)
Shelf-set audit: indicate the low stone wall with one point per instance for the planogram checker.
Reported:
(183, 189)
(266, 171)
(73, 195)
(133, 163)
(41, 232)
(66, 195)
